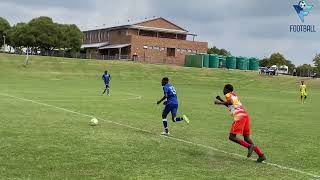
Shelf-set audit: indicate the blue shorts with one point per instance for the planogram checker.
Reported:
(173, 108)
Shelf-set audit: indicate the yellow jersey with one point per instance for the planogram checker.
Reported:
(303, 88)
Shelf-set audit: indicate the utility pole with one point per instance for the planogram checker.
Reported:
(27, 57)
(4, 43)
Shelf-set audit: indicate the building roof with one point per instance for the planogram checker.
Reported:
(140, 26)
(94, 45)
(145, 23)
(159, 29)
(115, 46)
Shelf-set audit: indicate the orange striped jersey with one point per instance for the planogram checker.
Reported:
(236, 108)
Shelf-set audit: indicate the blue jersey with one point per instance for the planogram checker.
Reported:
(170, 93)
(106, 78)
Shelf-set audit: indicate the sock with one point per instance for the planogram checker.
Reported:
(165, 125)
(258, 151)
(178, 119)
(244, 144)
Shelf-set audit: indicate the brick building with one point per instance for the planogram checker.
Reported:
(156, 41)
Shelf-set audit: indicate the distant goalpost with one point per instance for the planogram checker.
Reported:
(26, 62)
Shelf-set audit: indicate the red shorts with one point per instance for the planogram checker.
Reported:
(241, 125)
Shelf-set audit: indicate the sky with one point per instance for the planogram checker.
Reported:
(244, 27)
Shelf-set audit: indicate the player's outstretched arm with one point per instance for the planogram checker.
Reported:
(220, 101)
(226, 103)
(162, 99)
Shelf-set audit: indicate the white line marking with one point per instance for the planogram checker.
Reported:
(169, 137)
(137, 97)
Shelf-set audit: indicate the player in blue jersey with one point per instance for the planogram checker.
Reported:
(171, 105)
(106, 78)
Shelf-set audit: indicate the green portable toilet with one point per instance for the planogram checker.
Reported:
(213, 61)
(222, 61)
(231, 62)
(253, 64)
(242, 63)
(205, 60)
(246, 63)
(197, 60)
(188, 60)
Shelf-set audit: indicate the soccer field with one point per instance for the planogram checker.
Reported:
(45, 110)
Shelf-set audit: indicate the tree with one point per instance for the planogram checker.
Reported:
(265, 62)
(4, 28)
(69, 38)
(277, 59)
(290, 65)
(316, 61)
(75, 38)
(304, 70)
(215, 50)
(21, 36)
(45, 32)
(63, 41)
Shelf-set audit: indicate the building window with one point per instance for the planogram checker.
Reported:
(171, 52)
(145, 47)
(183, 50)
(162, 49)
(156, 48)
(194, 51)
(178, 50)
(150, 47)
(189, 50)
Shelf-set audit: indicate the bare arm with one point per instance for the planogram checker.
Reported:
(162, 99)
(220, 101)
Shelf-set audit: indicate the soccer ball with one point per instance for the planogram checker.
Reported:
(302, 4)
(94, 122)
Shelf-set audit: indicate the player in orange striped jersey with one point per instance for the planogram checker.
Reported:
(241, 122)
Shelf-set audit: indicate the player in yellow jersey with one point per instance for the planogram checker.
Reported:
(303, 92)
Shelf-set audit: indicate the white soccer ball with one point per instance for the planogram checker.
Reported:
(302, 4)
(94, 122)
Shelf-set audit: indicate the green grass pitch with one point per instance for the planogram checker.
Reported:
(45, 138)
